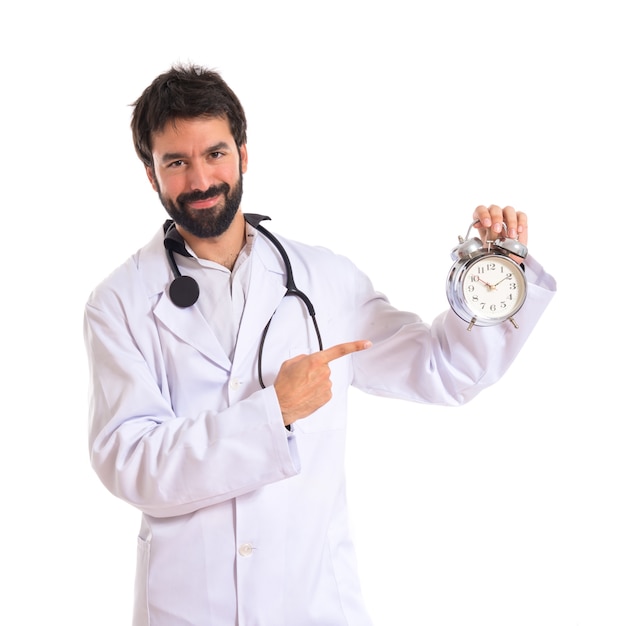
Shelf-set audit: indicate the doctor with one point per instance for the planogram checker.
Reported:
(227, 434)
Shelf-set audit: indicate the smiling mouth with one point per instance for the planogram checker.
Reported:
(204, 200)
(203, 204)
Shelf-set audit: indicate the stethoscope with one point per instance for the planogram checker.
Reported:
(184, 290)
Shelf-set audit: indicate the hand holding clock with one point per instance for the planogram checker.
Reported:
(492, 220)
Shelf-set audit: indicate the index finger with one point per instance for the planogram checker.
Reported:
(342, 349)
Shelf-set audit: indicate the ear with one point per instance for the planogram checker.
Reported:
(152, 178)
(243, 156)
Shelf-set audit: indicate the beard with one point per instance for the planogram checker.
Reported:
(205, 223)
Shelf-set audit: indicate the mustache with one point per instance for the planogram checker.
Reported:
(211, 192)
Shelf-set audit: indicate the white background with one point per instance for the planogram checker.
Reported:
(375, 128)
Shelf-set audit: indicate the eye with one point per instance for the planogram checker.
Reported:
(175, 164)
(216, 155)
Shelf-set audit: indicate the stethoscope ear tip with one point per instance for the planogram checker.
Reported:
(184, 291)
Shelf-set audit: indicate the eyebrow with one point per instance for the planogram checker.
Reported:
(175, 156)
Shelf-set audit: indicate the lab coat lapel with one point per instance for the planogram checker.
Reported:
(189, 325)
(265, 292)
(186, 324)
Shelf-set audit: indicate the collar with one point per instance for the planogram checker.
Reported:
(174, 241)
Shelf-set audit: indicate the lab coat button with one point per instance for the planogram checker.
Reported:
(245, 549)
(234, 383)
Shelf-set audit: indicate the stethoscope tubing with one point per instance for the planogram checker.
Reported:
(184, 290)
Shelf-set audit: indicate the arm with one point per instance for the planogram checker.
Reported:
(162, 462)
(443, 363)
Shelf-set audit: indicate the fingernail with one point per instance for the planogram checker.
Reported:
(497, 227)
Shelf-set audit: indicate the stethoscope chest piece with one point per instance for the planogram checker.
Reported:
(184, 291)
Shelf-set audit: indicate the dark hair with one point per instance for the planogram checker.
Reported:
(184, 92)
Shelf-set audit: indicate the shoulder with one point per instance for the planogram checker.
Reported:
(316, 258)
(143, 275)
(330, 274)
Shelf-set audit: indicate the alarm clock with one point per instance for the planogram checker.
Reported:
(486, 285)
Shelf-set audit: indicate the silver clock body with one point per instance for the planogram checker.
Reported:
(486, 287)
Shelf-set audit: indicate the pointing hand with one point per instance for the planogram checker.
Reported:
(303, 383)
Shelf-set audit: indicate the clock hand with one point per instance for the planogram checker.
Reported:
(500, 281)
(491, 287)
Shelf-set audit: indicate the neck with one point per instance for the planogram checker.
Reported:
(223, 249)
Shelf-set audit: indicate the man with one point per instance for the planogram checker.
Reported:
(228, 433)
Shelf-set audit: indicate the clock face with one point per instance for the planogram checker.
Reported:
(493, 288)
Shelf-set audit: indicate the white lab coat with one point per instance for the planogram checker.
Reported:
(243, 523)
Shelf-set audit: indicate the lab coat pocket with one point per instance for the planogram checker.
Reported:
(320, 421)
(140, 616)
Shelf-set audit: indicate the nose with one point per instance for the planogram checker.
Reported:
(199, 177)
